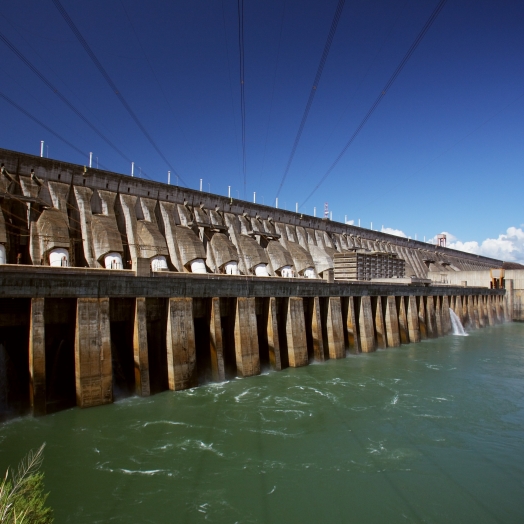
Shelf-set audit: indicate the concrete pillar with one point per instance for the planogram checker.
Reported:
(296, 333)
(140, 349)
(489, 308)
(246, 338)
(272, 336)
(367, 331)
(216, 347)
(471, 312)
(402, 320)
(422, 318)
(500, 308)
(391, 320)
(37, 377)
(316, 331)
(431, 322)
(334, 328)
(510, 300)
(438, 316)
(476, 317)
(458, 308)
(352, 327)
(465, 311)
(93, 367)
(380, 327)
(83, 197)
(446, 317)
(480, 310)
(413, 320)
(180, 344)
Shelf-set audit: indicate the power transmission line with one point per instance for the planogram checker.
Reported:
(382, 94)
(40, 123)
(316, 81)
(112, 85)
(55, 90)
(242, 94)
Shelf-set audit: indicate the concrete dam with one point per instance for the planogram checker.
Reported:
(112, 285)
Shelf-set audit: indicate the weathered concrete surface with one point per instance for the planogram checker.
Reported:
(366, 325)
(431, 321)
(37, 383)
(296, 333)
(215, 342)
(316, 332)
(334, 327)
(413, 320)
(402, 320)
(246, 341)
(380, 326)
(352, 326)
(392, 324)
(140, 349)
(93, 369)
(180, 344)
(272, 336)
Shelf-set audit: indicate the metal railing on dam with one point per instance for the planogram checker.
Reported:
(73, 336)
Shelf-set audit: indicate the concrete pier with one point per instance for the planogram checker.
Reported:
(37, 383)
(93, 369)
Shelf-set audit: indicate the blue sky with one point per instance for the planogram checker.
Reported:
(442, 152)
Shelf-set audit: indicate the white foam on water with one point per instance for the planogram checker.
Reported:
(456, 324)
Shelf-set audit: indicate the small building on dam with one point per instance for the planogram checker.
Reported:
(112, 285)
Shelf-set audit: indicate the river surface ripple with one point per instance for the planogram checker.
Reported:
(430, 432)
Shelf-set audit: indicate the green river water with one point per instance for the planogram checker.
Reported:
(430, 432)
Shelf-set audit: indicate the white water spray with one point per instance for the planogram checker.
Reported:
(458, 329)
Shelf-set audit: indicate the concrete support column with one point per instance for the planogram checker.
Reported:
(471, 312)
(510, 300)
(37, 377)
(93, 367)
(272, 336)
(316, 331)
(140, 349)
(489, 308)
(446, 318)
(458, 308)
(180, 344)
(380, 327)
(430, 317)
(438, 316)
(480, 310)
(465, 312)
(500, 308)
(296, 333)
(246, 338)
(402, 320)
(391, 320)
(352, 327)
(422, 318)
(216, 347)
(413, 321)
(367, 331)
(334, 328)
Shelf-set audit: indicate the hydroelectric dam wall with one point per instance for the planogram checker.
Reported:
(112, 285)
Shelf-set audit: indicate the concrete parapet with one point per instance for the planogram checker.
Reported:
(93, 368)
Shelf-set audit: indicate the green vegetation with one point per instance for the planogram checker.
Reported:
(22, 497)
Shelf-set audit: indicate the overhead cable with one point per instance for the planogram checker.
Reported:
(112, 85)
(61, 96)
(40, 123)
(242, 94)
(382, 94)
(316, 81)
